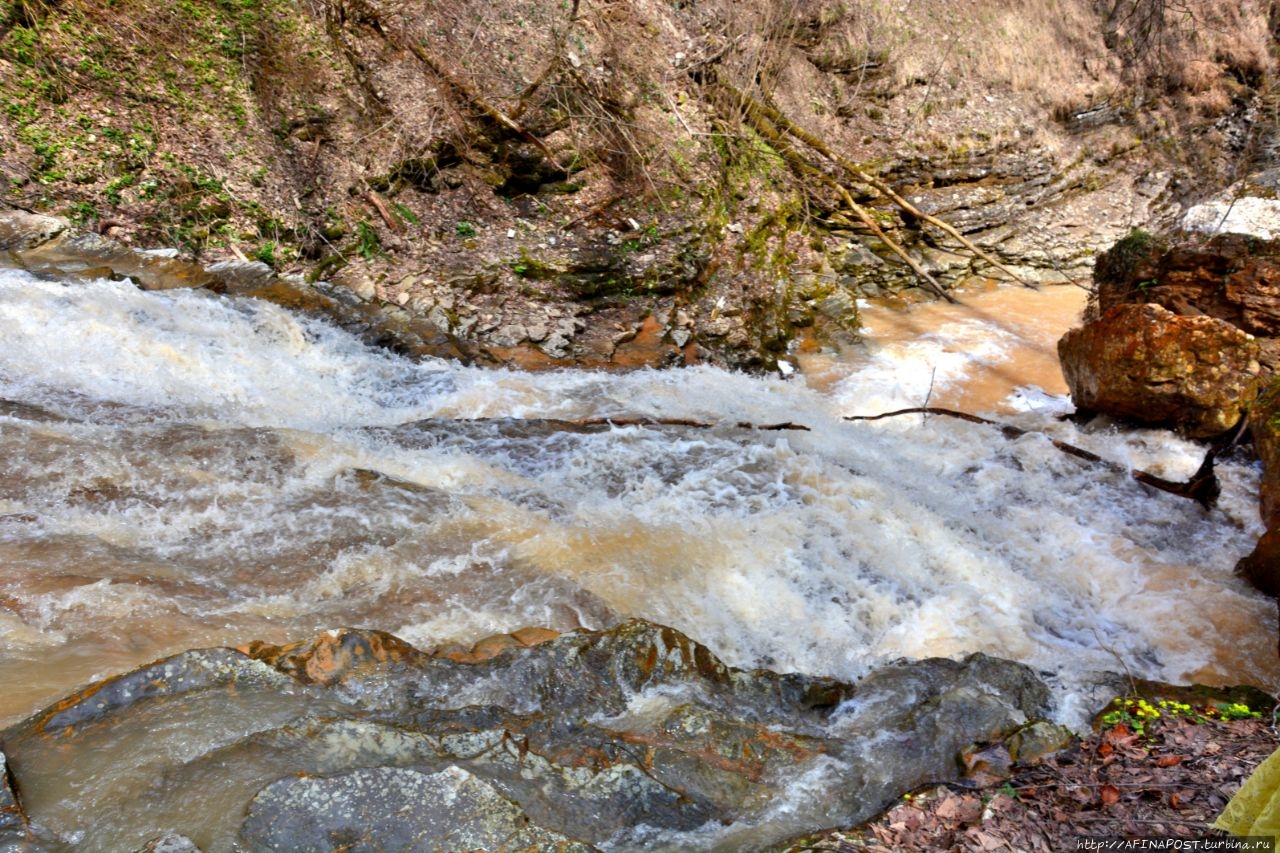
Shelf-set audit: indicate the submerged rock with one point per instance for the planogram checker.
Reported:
(629, 737)
(12, 822)
(402, 809)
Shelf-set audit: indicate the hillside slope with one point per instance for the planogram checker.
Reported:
(640, 182)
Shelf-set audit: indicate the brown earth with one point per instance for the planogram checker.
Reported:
(1171, 781)
(576, 181)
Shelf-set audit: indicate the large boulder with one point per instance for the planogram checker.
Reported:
(1199, 369)
(21, 230)
(1145, 363)
(1233, 277)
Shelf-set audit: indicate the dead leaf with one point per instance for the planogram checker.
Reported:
(949, 807)
(1110, 794)
(1168, 760)
(987, 841)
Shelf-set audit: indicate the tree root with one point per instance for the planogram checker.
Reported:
(1203, 487)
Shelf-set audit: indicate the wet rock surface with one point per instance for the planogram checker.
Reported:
(1145, 363)
(628, 737)
(49, 247)
(392, 808)
(12, 824)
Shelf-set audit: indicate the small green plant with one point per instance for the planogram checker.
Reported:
(1234, 711)
(464, 229)
(1136, 714)
(25, 45)
(404, 213)
(83, 212)
(266, 253)
(368, 243)
(115, 185)
(1139, 714)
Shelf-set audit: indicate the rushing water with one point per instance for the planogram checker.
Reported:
(180, 470)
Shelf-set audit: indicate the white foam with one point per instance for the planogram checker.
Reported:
(824, 551)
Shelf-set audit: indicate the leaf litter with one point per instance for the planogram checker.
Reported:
(1170, 781)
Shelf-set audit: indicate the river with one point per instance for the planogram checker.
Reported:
(181, 470)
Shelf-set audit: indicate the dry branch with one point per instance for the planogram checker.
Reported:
(1202, 488)
(557, 55)
(763, 125)
(878, 185)
(773, 125)
(381, 206)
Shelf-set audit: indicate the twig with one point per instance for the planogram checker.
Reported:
(676, 112)
(933, 372)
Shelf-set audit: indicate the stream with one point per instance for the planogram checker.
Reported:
(181, 470)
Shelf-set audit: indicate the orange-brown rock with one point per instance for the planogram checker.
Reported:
(1262, 567)
(333, 656)
(1198, 374)
(1232, 277)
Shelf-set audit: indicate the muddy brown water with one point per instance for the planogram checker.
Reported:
(179, 470)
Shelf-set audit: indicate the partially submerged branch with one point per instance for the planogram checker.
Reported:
(1203, 487)
(778, 427)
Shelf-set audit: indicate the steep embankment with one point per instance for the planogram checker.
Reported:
(640, 182)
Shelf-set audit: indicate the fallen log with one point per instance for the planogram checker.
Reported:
(1203, 487)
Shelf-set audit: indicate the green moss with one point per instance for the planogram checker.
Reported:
(1131, 260)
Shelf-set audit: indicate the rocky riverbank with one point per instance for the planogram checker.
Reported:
(1169, 781)
(634, 737)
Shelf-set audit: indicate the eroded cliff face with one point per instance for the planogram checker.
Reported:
(566, 181)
